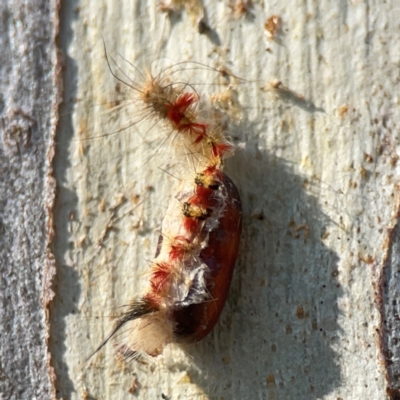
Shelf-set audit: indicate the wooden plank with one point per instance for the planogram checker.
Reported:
(30, 93)
(316, 167)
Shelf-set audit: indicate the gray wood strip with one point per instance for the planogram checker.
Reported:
(390, 308)
(29, 95)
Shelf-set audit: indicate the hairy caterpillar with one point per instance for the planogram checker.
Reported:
(190, 276)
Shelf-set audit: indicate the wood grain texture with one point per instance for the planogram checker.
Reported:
(29, 97)
(318, 176)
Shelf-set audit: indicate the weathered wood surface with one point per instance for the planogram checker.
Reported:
(29, 99)
(318, 177)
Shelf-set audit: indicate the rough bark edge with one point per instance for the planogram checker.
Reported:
(50, 190)
(392, 391)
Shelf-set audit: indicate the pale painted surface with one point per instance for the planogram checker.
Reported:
(300, 321)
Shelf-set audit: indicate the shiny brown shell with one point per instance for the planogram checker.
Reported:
(194, 322)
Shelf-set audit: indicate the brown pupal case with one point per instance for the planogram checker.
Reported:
(195, 321)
